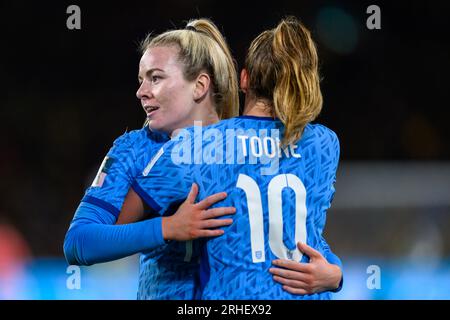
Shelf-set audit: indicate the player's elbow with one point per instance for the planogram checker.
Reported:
(70, 248)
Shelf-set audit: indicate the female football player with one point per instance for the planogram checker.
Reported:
(184, 75)
(282, 89)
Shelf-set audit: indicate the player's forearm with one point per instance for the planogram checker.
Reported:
(335, 278)
(335, 260)
(92, 237)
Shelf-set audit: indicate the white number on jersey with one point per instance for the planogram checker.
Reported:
(255, 212)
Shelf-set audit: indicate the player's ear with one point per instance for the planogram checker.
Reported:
(244, 80)
(202, 84)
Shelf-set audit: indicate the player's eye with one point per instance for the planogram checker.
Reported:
(155, 78)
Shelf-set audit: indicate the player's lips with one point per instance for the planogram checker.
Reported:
(149, 110)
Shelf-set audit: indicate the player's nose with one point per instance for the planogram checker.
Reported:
(143, 91)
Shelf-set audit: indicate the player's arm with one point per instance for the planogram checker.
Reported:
(190, 221)
(195, 220)
(323, 272)
(133, 209)
(333, 259)
(92, 236)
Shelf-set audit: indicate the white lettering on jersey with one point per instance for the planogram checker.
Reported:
(266, 146)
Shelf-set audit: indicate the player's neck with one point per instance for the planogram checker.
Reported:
(257, 107)
(205, 114)
(202, 116)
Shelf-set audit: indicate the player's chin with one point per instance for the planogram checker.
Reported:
(156, 124)
(153, 123)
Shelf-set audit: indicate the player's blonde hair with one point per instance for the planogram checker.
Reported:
(282, 66)
(203, 48)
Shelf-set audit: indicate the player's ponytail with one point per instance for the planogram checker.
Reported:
(297, 97)
(283, 68)
(224, 69)
(203, 48)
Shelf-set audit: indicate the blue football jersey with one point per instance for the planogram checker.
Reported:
(123, 162)
(171, 270)
(281, 195)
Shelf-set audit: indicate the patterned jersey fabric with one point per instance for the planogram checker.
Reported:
(281, 195)
(170, 271)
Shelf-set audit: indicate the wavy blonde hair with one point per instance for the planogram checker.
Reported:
(282, 65)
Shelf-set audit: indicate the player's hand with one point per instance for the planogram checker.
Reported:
(194, 220)
(307, 278)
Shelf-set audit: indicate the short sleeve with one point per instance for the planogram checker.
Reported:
(114, 176)
(167, 178)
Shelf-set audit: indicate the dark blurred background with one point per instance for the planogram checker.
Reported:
(67, 94)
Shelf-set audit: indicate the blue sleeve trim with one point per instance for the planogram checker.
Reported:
(157, 232)
(147, 198)
(339, 288)
(102, 204)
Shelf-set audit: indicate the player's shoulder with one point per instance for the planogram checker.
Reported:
(197, 130)
(239, 121)
(326, 139)
(321, 132)
(236, 123)
(127, 138)
(135, 138)
(144, 134)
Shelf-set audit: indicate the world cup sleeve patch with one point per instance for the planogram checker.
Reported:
(103, 172)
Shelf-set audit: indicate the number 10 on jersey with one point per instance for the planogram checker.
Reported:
(275, 211)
